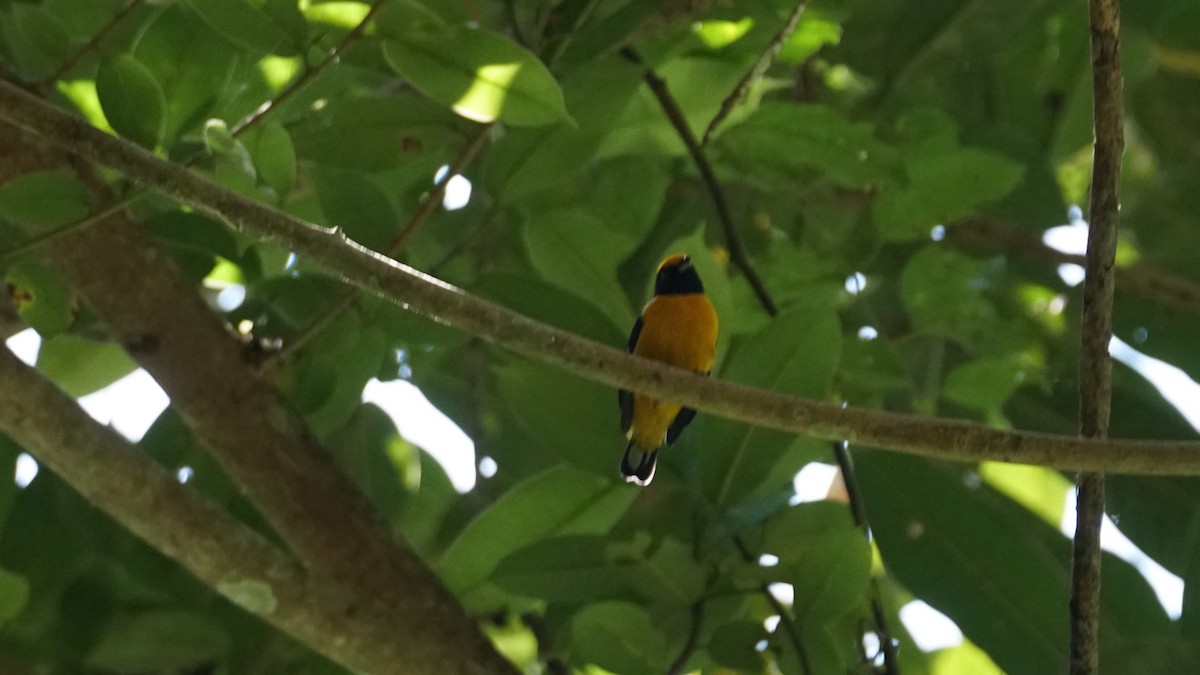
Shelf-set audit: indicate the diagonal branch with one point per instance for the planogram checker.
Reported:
(752, 76)
(786, 624)
(737, 255)
(858, 511)
(947, 439)
(422, 214)
(257, 439)
(221, 551)
(1095, 366)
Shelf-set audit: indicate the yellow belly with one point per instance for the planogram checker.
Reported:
(676, 329)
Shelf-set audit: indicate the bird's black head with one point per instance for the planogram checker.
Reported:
(677, 276)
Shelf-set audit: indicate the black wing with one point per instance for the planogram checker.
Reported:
(625, 398)
(683, 418)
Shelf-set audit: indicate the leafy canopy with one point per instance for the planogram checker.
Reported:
(880, 124)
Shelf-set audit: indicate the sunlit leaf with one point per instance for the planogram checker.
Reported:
(481, 75)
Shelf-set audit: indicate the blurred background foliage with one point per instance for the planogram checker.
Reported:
(884, 135)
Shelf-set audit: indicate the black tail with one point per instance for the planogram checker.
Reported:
(641, 472)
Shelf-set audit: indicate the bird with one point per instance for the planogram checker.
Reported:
(678, 326)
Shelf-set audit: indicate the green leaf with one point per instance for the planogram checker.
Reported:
(995, 568)
(539, 300)
(42, 297)
(666, 571)
(816, 30)
(558, 502)
(80, 367)
(43, 200)
(782, 139)
(944, 184)
(244, 24)
(797, 353)
(132, 100)
(571, 419)
(831, 580)
(345, 15)
(734, 645)
(14, 595)
(190, 61)
(362, 448)
(627, 194)
(43, 30)
(286, 15)
(355, 203)
(620, 637)
(158, 640)
(985, 384)
(431, 496)
(698, 85)
(481, 75)
(275, 157)
(573, 568)
(943, 293)
(402, 17)
(526, 161)
(330, 380)
(575, 250)
(375, 134)
(825, 557)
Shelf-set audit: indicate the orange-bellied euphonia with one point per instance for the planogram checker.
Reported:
(678, 326)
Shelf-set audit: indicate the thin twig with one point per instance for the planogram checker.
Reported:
(50, 236)
(309, 74)
(1095, 366)
(737, 255)
(1152, 284)
(89, 46)
(565, 40)
(300, 340)
(438, 194)
(693, 639)
(752, 76)
(841, 452)
(932, 437)
(785, 615)
(344, 302)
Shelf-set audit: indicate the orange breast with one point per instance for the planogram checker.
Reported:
(680, 330)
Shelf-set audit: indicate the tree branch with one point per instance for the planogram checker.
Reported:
(937, 438)
(752, 76)
(261, 443)
(220, 550)
(1095, 366)
(422, 214)
(737, 255)
(1152, 284)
